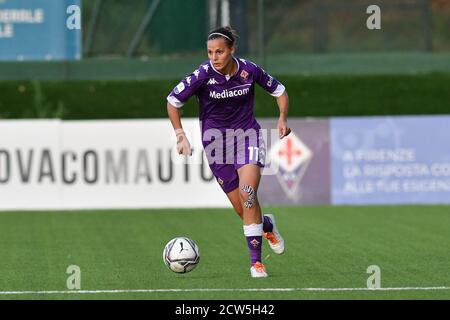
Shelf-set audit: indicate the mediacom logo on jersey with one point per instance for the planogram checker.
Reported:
(229, 93)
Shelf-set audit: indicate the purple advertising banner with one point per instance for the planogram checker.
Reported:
(297, 166)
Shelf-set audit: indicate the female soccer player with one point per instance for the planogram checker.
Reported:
(225, 87)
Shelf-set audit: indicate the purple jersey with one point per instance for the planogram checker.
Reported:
(225, 102)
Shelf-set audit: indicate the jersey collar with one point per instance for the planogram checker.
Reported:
(227, 77)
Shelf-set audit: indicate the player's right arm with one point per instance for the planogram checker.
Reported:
(175, 101)
(183, 145)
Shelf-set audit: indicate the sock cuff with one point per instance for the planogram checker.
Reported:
(253, 230)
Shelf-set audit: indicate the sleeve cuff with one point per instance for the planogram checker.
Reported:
(278, 91)
(174, 101)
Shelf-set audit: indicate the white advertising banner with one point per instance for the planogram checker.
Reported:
(28, 164)
(102, 164)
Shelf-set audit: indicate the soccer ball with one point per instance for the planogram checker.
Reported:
(181, 255)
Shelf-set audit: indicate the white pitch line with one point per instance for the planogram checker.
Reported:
(218, 290)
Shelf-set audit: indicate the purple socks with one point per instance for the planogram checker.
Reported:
(253, 235)
(254, 247)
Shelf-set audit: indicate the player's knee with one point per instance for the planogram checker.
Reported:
(248, 196)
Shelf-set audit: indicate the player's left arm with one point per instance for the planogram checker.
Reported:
(277, 90)
(283, 105)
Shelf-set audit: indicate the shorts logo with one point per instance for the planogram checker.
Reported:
(269, 83)
(293, 158)
(179, 88)
(244, 74)
(220, 181)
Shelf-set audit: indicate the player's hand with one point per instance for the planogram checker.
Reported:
(183, 145)
(283, 129)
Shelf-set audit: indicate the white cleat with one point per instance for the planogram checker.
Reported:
(258, 270)
(275, 239)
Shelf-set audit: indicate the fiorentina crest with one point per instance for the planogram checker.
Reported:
(292, 157)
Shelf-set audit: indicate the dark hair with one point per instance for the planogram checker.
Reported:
(226, 33)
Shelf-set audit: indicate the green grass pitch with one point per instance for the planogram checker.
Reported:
(326, 247)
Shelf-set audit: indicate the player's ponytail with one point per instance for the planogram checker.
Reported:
(226, 33)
